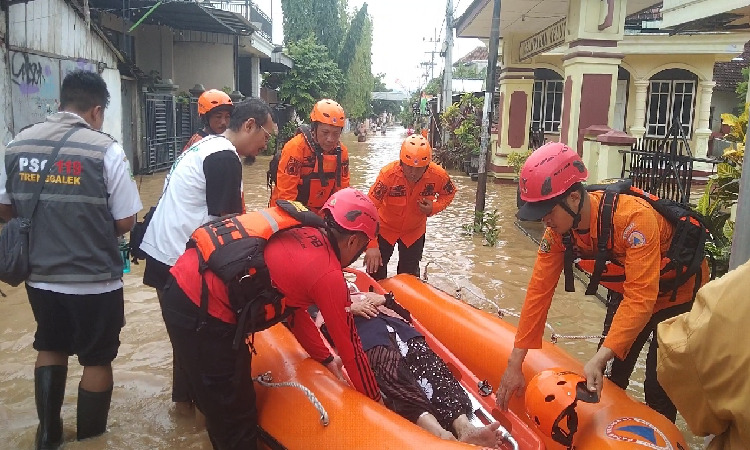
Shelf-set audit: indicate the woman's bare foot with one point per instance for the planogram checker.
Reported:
(431, 424)
(485, 436)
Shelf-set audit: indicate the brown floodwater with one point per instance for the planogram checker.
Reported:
(141, 416)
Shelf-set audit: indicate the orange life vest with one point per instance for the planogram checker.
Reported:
(683, 260)
(232, 248)
(320, 174)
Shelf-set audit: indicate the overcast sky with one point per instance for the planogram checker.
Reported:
(401, 33)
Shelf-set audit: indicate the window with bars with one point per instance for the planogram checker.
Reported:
(546, 109)
(667, 100)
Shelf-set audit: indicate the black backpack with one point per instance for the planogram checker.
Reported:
(686, 251)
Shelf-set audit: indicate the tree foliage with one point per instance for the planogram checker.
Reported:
(348, 44)
(314, 76)
(323, 21)
(355, 61)
(742, 89)
(469, 72)
(463, 122)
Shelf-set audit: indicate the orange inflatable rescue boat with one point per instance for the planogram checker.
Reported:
(475, 346)
(483, 342)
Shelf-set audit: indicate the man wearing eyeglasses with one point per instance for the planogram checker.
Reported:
(204, 183)
(313, 164)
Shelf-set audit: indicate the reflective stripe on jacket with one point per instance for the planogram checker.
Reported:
(641, 238)
(73, 237)
(397, 202)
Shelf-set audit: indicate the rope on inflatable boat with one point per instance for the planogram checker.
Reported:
(501, 312)
(267, 380)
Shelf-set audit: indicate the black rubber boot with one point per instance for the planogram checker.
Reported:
(93, 408)
(49, 391)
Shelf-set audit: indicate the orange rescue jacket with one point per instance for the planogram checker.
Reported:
(297, 175)
(641, 237)
(400, 217)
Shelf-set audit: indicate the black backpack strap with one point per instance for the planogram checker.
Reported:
(203, 313)
(317, 151)
(568, 264)
(338, 166)
(604, 239)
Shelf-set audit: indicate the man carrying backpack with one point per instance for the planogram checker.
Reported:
(650, 281)
(244, 273)
(313, 164)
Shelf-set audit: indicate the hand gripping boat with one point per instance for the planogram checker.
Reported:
(483, 343)
(345, 419)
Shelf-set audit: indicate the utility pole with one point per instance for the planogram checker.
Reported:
(448, 73)
(435, 41)
(485, 156)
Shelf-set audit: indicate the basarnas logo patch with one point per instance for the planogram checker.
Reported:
(639, 432)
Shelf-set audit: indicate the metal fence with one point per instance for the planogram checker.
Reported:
(169, 124)
(663, 166)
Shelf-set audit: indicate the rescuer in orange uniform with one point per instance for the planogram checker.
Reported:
(314, 164)
(550, 183)
(406, 192)
(214, 108)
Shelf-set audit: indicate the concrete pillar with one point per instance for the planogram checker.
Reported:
(514, 118)
(591, 63)
(167, 53)
(589, 93)
(702, 127)
(255, 76)
(611, 146)
(591, 150)
(638, 130)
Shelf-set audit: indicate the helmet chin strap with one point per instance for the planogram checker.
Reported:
(575, 215)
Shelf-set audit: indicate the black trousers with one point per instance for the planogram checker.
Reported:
(218, 377)
(408, 257)
(622, 369)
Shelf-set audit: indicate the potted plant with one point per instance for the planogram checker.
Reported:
(463, 121)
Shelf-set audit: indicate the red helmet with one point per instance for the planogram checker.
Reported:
(213, 98)
(548, 173)
(416, 151)
(550, 402)
(353, 211)
(329, 112)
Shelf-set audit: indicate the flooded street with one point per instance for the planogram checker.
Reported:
(141, 416)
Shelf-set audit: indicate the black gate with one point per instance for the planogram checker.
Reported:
(169, 123)
(663, 166)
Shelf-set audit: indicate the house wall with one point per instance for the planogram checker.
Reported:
(209, 64)
(47, 40)
(722, 102)
(6, 118)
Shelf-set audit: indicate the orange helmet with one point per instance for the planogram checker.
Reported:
(329, 112)
(213, 98)
(416, 151)
(551, 401)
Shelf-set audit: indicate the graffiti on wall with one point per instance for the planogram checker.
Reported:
(69, 65)
(34, 87)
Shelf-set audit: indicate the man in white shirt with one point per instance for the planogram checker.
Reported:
(205, 182)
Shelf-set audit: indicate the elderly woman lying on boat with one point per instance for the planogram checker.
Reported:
(414, 381)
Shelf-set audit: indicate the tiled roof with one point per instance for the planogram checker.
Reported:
(728, 75)
(480, 53)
